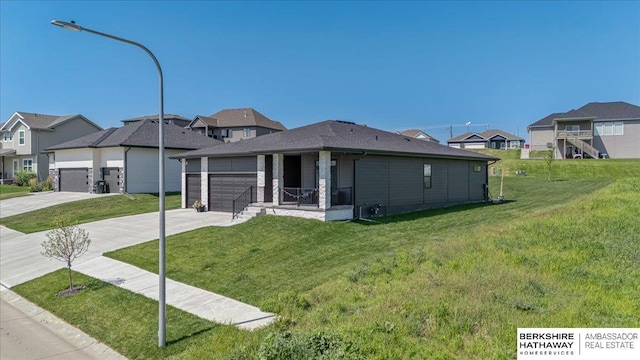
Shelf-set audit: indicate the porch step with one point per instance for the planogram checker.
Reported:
(250, 212)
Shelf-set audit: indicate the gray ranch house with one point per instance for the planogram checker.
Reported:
(332, 170)
(126, 158)
(230, 125)
(597, 130)
(489, 139)
(25, 135)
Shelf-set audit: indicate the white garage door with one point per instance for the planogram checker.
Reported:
(474, 146)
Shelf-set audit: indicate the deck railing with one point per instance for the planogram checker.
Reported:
(300, 196)
(242, 201)
(574, 134)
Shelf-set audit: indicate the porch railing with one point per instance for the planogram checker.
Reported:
(300, 196)
(575, 134)
(242, 201)
(342, 196)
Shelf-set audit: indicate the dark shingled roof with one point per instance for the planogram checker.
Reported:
(334, 136)
(155, 117)
(140, 134)
(486, 135)
(615, 110)
(42, 121)
(229, 118)
(414, 133)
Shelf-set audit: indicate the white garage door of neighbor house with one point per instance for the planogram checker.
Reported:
(457, 146)
(474, 146)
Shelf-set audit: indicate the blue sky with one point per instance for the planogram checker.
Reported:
(391, 65)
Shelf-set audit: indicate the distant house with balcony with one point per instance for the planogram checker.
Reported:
(489, 139)
(597, 130)
(25, 135)
(232, 125)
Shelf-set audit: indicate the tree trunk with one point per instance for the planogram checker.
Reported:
(70, 279)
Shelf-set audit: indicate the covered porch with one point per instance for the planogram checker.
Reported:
(316, 185)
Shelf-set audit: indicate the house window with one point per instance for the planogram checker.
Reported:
(606, 129)
(514, 144)
(5, 137)
(477, 168)
(246, 132)
(10, 136)
(575, 128)
(27, 164)
(21, 137)
(224, 133)
(427, 176)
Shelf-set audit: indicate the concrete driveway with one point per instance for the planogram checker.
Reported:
(36, 201)
(21, 261)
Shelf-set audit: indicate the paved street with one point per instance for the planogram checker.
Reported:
(29, 332)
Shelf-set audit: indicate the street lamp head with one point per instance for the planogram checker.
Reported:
(67, 25)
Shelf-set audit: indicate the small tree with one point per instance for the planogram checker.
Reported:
(66, 243)
(548, 158)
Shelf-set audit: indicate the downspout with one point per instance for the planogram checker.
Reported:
(124, 183)
(364, 154)
(37, 154)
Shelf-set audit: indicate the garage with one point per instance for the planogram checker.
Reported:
(193, 189)
(224, 188)
(479, 145)
(76, 180)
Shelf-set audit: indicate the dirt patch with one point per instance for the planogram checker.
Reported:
(69, 292)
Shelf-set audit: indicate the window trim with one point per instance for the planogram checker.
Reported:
(246, 132)
(31, 164)
(22, 138)
(427, 179)
(477, 168)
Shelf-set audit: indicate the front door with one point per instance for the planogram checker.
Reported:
(16, 167)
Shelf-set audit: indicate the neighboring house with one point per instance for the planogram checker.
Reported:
(333, 170)
(235, 124)
(490, 139)
(419, 134)
(607, 129)
(25, 135)
(168, 119)
(126, 158)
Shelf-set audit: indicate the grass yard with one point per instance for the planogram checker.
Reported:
(89, 210)
(11, 191)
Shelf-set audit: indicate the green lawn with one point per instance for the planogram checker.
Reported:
(89, 210)
(11, 191)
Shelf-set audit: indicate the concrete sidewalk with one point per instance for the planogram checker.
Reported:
(205, 304)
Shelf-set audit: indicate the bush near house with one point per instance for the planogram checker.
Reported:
(22, 177)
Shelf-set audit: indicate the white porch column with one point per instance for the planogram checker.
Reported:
(183, 183)
(278, 178)
(324, 180)
(261, 179)
(204, 182)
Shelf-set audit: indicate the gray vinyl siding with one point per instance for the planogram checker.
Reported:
(233, 164)
(539, 137)
(372, 181)
(458, 181)
(398, 183)
(193, 166)
(406, 182)
(621, 146)
(345, 170)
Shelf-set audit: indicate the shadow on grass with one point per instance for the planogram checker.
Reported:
(185, 337)
(422, 214)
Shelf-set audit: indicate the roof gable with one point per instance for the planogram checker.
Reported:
(42, 121)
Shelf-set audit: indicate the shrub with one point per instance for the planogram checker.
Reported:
(47, 185)
(33, 185)
(22, 177)
(287, 345)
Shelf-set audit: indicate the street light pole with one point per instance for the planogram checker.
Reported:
(162, 282)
